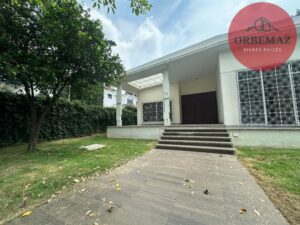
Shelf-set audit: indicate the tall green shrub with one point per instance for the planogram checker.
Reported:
(64, 120)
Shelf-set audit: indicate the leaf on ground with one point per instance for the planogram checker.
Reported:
(110, 208)
(76, 181)
(206, 192)
(88, 212)
(190, 186)
(112, 180)
(27, 185)
(243, 211)
(189, 181)
(82, 190)
(95, 223)
(117, 186)
(28, 213)
(193, 192)
(103, 199)
(118, 189)
(256, 212)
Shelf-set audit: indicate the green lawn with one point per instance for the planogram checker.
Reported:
(282, 166)
(277, 171)
(31, 178)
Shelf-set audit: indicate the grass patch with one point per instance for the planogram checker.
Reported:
(278, 172)
(28, 179)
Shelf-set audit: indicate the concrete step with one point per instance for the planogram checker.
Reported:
(219, 134)
(195, 130)
(198, 138)
(208, 149)
(196, 143)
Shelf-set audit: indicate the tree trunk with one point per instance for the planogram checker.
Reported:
(36, 123)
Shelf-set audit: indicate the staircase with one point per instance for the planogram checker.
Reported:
(200, 139)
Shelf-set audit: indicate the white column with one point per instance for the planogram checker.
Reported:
(119, 105)
(166, 98)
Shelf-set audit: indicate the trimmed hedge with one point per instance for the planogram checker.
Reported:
(64, 120)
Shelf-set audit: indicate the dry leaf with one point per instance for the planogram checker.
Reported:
(95, 223)
(118, 189)
(88, 212)
(117, 186)
(103, 199)
(110, 208)
(28, 213)
(27, 185)
(193, 192)
(76, 181)
(206, 192)
(243, 211)
(262, 200)
(189, 180)
(256, 212)
(112, 180)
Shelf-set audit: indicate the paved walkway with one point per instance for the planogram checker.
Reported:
(154, 191)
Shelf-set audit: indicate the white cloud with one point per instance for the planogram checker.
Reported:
(142, 45)
(140, 42)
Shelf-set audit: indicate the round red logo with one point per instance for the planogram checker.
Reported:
(262, 36)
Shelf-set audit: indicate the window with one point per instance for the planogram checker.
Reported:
(153, 112)
(129, 101)
(270, 97)
(109, 96)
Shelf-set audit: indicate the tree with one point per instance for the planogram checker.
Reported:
(137, 6)
(298, 12)
(86, 93)
(47, 47)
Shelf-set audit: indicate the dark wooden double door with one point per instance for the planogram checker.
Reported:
(199, 108)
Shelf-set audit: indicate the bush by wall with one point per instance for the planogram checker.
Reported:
(64, 120)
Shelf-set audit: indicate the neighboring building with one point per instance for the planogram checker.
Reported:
(110, 94)
(205, 84)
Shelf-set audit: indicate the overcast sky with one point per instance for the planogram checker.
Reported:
(171, 25)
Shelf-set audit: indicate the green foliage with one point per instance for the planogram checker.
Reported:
(90, 94)
(137, 6)
(64, 120)
(48, 45)
(131, 108)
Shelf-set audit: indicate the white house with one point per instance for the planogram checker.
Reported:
(206, 86)
(110, 96)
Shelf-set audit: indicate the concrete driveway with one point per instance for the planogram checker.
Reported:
(164, 187)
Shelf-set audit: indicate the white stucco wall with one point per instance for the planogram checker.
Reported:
(198, 85)
(228, 66)
(155, 94)
(186, 87)
(111, 102)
